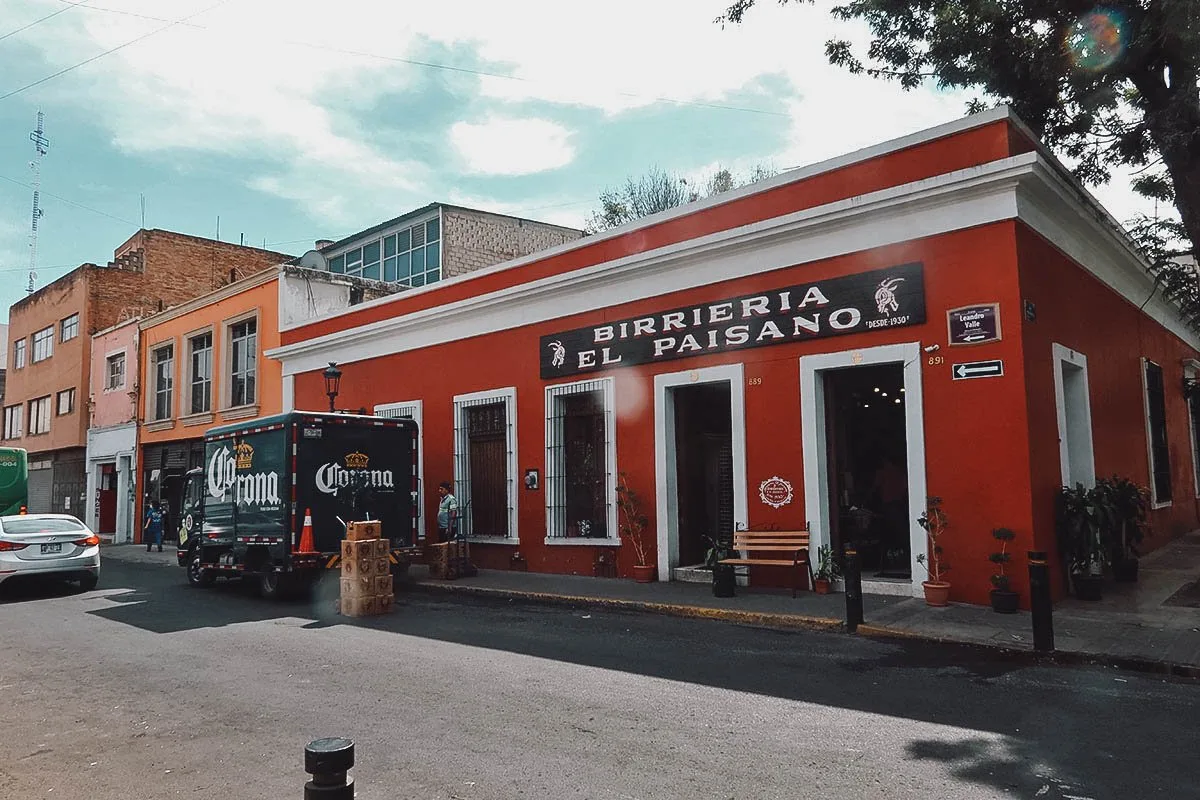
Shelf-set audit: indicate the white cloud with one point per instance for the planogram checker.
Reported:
(298, 90)
(512, 146)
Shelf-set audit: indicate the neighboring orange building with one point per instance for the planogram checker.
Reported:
(201, 365)
(50, 345)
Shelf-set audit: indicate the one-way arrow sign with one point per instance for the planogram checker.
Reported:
(978, 369)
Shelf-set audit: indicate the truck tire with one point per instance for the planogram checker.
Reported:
(274, 585)
(197, 575)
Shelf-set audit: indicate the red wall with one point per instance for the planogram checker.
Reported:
(976, 448)
(935, 157)
(1076, 310)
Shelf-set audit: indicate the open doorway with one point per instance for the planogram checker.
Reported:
(703, 468)
(868, 482)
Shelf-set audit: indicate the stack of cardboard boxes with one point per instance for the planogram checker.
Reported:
(367, 587)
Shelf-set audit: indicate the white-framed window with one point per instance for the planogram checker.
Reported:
(200, 350)
(581, 458)
(43, 344)
(162, 361)
(39, 415)
(18, 354)
(12, 421)
(243, 362)
(114, 371)
(66, 402)
(68, 328)
(1191, 372)
(1156, 432)
(414, 410)
(411, 256)
(485, 463)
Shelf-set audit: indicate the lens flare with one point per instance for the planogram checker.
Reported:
(1097, 40)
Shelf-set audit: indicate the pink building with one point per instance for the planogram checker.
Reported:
(112, 432)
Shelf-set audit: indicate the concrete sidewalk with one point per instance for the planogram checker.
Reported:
(1131, 627)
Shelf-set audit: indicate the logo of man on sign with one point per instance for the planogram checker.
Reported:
(885, 296)
(560, 354)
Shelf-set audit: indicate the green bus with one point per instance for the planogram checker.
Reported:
(14, 481)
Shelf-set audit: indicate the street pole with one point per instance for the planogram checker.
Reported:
(329, 761)
(854, 598)
(1040, 606)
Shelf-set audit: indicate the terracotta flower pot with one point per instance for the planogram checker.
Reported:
(821, 586)
(937, 593)
(644, 573)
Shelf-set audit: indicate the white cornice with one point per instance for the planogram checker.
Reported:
(966, 198)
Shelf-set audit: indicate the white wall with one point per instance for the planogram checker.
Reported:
(115, 445)
(302, 298)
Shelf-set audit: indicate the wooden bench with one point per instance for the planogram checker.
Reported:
(778, 549)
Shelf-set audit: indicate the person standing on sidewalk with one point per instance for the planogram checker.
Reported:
(447, 517)
(152, 527)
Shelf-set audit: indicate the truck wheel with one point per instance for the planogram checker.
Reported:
(197, 574)
(273, 585)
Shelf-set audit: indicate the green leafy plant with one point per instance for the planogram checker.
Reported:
(717, 551)
(633, 522)
(1001, 558)
(1081, 519)
(1126, 509)
(827, 566)
(935, 524)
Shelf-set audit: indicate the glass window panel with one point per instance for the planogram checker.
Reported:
(433, 276)
(337, 265)
(431, 230)
(371, 271)
(403, 267)
(418, 260)
(353, 259)
(389, 246)
(403, 240)
(418, 279)
(433, 255)
(370, 253)
(389, 269)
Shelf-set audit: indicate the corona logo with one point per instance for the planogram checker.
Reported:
(357, 461)
(244, 455)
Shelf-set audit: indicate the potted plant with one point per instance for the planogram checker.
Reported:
(724, 579)
(1128, 506)
(633, 525)
(937, 590)
(1080, 522)
(1004, 600)
(827, 570)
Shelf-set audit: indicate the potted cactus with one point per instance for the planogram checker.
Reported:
(1004, 600)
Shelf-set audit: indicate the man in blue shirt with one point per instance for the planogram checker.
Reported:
(152, 527)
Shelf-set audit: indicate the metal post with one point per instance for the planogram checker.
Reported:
(328, 761)
(854, 598)
(1039, 602)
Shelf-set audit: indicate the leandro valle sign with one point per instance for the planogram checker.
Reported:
(888, 298)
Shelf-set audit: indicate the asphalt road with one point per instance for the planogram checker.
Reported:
(146, 688)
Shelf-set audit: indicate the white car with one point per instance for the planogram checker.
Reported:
(56, 545)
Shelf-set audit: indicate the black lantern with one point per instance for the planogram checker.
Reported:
(333, 379)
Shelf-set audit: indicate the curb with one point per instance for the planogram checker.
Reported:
(756, 618)
(1151, 666)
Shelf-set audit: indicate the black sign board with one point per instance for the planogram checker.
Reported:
(974, 324)
(978, 369)
(887, 298)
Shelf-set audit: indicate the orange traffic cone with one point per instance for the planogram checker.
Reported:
(306, 537)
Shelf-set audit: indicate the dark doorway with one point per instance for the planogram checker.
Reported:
(703, 468)
(106, 500)
(868, 472)
(487, 469)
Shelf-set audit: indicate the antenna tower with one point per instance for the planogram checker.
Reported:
(41, 144)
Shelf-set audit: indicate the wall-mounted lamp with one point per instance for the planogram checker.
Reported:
(1191, 387)
(333, 380)
(933, 348)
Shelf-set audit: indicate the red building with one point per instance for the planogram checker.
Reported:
(945, 314)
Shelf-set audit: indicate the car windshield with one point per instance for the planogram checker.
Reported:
(35, 525)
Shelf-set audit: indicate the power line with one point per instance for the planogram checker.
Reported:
(444, 67)
(69, 202)
(112, 50)
(70, 5)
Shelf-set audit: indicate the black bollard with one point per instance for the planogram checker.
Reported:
(1041, 608)
(854, 598)
(328, 761)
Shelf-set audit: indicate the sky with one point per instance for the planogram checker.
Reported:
(297, 120)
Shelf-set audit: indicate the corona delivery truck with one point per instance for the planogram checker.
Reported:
(245, 511)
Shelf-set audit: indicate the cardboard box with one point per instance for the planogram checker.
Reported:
(359, 606)
(364, 531)
(382, 584)
(383, 566)
(358, 549)
(383, 548)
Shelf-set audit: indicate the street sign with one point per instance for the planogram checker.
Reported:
(974, 324)
(978, 369)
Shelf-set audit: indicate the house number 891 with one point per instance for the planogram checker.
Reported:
(933, 360)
